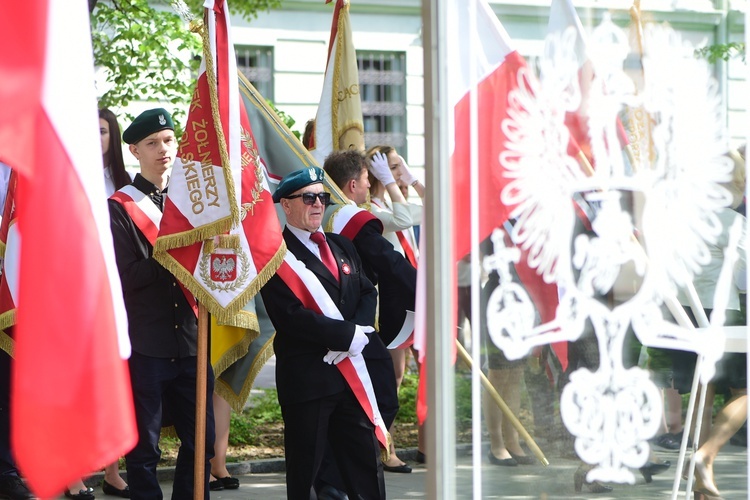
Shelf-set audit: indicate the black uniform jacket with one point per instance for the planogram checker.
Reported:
(395, 276)
(161, 323)
(303, 336)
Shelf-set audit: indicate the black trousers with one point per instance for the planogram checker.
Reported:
(7, 464)
(164, 386)
(339, 421)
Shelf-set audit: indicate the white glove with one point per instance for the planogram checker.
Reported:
(407, 177)
(335, 357)
(380, 169)
(360, 340)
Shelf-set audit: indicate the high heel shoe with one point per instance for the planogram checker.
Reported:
(507, 462)
(579, 479)
(653, 468)
(522, 459)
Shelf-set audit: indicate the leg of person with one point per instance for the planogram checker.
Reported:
(493, 418)
(728, 421)
(113, 484)
(220, 478)
(11, 485)
(395, 464)
(357, 451)
(305, 439)
(148, 378)
(511, 393)
(180, 396)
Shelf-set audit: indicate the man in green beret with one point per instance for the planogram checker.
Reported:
(323, 308)
(161, 316)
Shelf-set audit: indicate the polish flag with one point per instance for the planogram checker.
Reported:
(338, 123)
(71, 403)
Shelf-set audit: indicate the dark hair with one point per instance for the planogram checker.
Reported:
(120, 176)
(343, 166)
(309, 133)
(374, 182)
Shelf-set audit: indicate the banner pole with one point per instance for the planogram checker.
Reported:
(200, 404)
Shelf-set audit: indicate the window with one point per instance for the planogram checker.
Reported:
(256, 63)
(382, 87)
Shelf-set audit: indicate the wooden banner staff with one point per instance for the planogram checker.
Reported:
(507, 412)
(201, 375)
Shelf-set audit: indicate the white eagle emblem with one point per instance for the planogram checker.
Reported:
(162, 120)
(223, 268)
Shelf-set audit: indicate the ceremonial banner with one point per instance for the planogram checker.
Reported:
(338, 123)
(70, 313)
(9, 248)
(219, 201)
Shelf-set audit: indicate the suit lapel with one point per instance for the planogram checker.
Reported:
(313, 263)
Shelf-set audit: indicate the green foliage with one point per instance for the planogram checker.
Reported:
(148, 53)
(243, 426)
(407, 399)
(722, 52)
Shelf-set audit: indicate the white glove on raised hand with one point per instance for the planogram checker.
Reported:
(380, 169)
(360, 339)
(335, 357)
(407, 177)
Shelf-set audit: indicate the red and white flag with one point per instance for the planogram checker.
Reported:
(219, 201)
(338, 123)
(70, 311)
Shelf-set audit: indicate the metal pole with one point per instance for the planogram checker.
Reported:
(441, 428)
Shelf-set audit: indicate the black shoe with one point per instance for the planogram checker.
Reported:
(579, 479)
(215, 485)
(85, 494)
(420, 458)
(108, 489)
(403, 468)
(328, 492)
(226, 483)
(667, 441)
(12, 487)
(506, 462)
(522, 459)
(653, 468)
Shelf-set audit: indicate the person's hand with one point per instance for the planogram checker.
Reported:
(407, 177)
(335, 357)
(360, 339)
(380, 169)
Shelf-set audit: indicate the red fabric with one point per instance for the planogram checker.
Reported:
(408, 250)
(492, 95)
(325, 253)
(66, 352)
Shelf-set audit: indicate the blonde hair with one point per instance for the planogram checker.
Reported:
(736, 186)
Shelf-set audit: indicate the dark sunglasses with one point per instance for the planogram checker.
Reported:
(309, 198)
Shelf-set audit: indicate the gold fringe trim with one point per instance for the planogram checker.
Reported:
(235, 352)
(243, 319)
(187, 238)
(231, 241)
(7, 344)
(2, 249)
(223, 314)
(385, 453)
(8, 319)
(238, 401)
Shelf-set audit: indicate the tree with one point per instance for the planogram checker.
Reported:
(146, 50)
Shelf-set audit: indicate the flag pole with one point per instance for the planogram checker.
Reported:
(507, 412)
(200, 404)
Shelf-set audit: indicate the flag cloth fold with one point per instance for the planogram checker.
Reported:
(219, 200)
(338, 122)
(49, 136)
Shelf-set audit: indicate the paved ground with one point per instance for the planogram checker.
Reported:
(522, 482)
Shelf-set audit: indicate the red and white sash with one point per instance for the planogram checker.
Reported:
(313, 296)
(347, 221)
(146, 218)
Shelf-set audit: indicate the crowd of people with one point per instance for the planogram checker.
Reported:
(340, 348)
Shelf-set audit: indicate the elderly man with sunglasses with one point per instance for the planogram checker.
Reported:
(323, 308)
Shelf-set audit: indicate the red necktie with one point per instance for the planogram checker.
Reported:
(325, 253)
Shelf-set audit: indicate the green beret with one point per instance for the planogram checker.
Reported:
(297, 180)
(146, 124)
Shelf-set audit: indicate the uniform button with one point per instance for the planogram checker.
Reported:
(343, 301)
(175, 305)
(176, 327)
(174, 284)
(172, 360)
